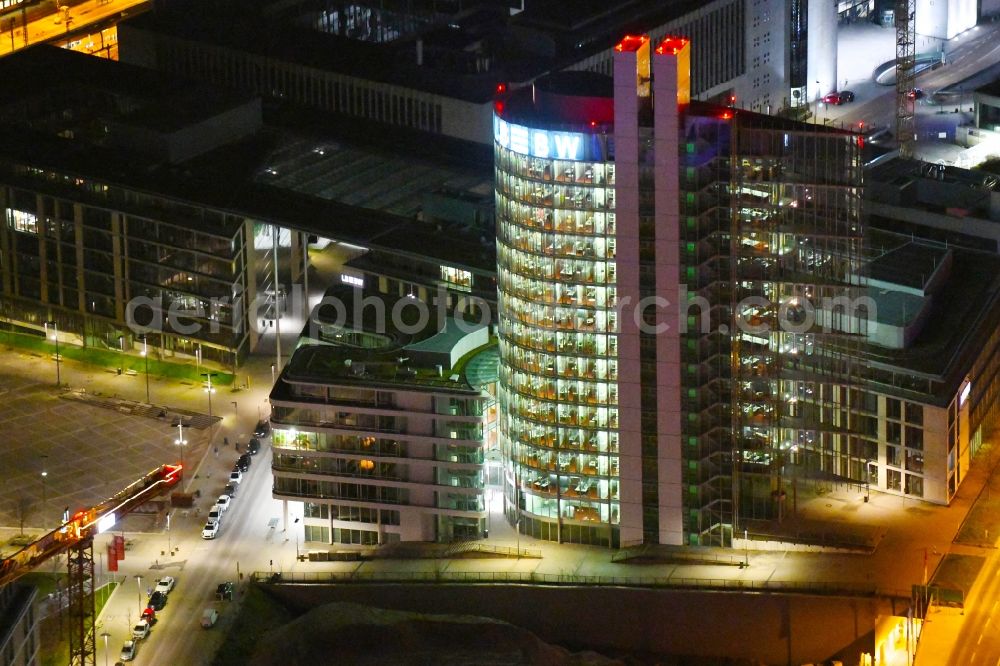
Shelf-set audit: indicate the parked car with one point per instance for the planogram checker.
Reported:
(223, 502)
(128, 651)
(215, 515)
(224, 591)
(235, 476)
(230, 490)
(165, 584)
(140, 630)
(244, 462)
(262, 429)
(914, 93)
(209, 617)
(253, 446)
(838, 98)
(157, 601)
(149, 615)
(210, 530)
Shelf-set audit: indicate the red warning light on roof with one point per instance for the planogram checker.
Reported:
(726, 115)
(631, 43)
(501, 88)
(498, 107)
(672, 45)
(593, 123)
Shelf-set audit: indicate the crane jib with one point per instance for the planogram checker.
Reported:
(84, 524)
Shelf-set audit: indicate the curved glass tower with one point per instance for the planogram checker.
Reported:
(558, 329)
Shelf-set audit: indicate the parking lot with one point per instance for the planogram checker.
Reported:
(86, 453)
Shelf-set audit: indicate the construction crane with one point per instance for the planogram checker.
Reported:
(76, 538)
(905, 11)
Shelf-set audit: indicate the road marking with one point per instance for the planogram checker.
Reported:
(993, 608)
(980, 639)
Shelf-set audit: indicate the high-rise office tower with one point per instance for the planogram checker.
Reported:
(657, 262)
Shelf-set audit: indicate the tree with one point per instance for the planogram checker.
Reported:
(22, 507)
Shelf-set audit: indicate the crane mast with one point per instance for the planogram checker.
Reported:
(76, 538)
(905, 11)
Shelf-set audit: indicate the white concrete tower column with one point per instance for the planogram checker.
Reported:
(821, 48)
(631, 76)
(671, 95)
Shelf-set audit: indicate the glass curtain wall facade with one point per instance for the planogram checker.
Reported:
(558, 389)
(796, 265)
(81, 252)
(770, 230)
(755, 221)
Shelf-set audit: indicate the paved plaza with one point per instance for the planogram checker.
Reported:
(89, 452)
(86, 452)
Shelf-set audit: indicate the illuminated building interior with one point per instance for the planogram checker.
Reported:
(558, 329)
(768, 208)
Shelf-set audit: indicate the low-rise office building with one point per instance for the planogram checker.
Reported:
(380, 432)
(128, 194)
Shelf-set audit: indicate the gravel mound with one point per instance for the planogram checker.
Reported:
(344, 633)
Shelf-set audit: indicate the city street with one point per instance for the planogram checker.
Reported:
(978, 643)
(110, 449)
(908, 529)
(51, 27)
(247, 542)
(865, 46)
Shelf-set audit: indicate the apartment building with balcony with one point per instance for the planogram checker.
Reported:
(380, 432)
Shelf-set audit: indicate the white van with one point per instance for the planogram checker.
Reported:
(209, 617)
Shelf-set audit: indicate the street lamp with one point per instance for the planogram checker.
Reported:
(296, 540)
(197, 358)
(180, 440)
(105, 636)
(145, 355)
(868, 480)
(121, 356)
(209, 389)
(138, 582)
(44, 490)
(55, 336)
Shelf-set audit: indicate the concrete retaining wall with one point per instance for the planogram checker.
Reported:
(771, 628)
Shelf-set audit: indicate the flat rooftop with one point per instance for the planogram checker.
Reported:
(965, 311)
(466, 53)
(127, 94)
(363, 176)
(931, 187)
(333, 351)
(909, 265)
(336, 365)
(340, 194)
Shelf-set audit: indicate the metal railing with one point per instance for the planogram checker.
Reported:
(668, 554)
(529, 578)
